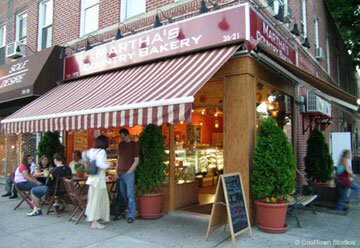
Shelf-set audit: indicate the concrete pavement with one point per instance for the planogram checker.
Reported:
(176, 229)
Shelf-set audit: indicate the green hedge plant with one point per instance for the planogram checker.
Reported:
(318, 162)
(49, 145)
(272, 177)
(150, 170)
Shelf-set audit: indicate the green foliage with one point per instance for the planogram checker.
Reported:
(79, 168)
(346, 15)
(49, 145)
(150, 170)
(318, 162)
(273, 164)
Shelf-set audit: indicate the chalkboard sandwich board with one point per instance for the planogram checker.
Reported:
(229, 206)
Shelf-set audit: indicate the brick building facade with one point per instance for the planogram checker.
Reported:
(68, 21)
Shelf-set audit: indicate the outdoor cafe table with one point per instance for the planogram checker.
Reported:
(111, 182)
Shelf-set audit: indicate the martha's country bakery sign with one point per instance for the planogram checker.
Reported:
(209, 30)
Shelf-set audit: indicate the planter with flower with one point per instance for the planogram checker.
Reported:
(79, 170)
(150, 172)
(272, 177)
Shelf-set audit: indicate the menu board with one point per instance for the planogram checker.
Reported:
(236, 203)
(229, 207)
(80, 141)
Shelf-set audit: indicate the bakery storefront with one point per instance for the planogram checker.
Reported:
(21, 82)
(200, 79)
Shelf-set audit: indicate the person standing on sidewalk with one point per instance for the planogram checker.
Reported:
(343, 180)
(128, 159)
(98, 205)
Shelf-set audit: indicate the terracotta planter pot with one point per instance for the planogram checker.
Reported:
(271, 217)
(150, 206)
(80, 174)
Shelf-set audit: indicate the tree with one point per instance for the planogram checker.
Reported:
(346, 15)
(318, 162)
(49, 145)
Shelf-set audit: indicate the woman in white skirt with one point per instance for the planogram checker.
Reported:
(98, 207)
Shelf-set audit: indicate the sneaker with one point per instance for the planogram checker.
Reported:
(6, 195)
(130, 220)
(35, 212)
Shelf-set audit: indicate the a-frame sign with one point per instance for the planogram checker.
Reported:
(229, 207)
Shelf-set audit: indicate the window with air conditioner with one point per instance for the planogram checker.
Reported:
(318, 49)
(21, 27)
(45, 24)
(303, 19)
(130, 8)
(89, 16)
(2, 43)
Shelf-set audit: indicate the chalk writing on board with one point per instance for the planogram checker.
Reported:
(236, 203)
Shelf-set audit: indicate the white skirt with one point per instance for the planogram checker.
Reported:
(98, 205)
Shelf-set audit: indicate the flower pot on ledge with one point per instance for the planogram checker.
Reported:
(271, 217)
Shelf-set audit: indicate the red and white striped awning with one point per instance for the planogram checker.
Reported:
(159, 92)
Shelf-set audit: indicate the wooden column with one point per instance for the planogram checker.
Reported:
(240, 128)
(172, 169)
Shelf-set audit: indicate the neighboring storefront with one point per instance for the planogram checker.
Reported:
(205, 80)
(21, 82)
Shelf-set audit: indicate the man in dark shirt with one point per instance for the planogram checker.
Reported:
(37, 192)
(128, 159)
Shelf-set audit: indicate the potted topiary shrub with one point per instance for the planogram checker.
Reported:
(150, 172)
(318, 162)
(79, 170)
(272, 178)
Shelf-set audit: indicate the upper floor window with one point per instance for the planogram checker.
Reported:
(316, 32)
(327, 47)
(2, 35)
(303, 19)
(21, 26)
(2, 43)
(132, 8)
(45, 24)
(89, 16)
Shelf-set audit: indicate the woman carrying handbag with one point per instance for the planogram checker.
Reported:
(97, 208)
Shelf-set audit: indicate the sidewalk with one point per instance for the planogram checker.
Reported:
(176, 229)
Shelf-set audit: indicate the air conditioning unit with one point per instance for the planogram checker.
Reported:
(319, 53)
(14, 51)
(315, 104)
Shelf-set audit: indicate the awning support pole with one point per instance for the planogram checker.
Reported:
(172, 168)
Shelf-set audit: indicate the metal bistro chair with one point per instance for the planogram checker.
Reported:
(78, 196)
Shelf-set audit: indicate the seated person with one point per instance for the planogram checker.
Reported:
(41, 170)
(37, 193)
(10, 190)
(76, 160)
(23, 178)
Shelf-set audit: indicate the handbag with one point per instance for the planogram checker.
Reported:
(92, 168)
(344, 179)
